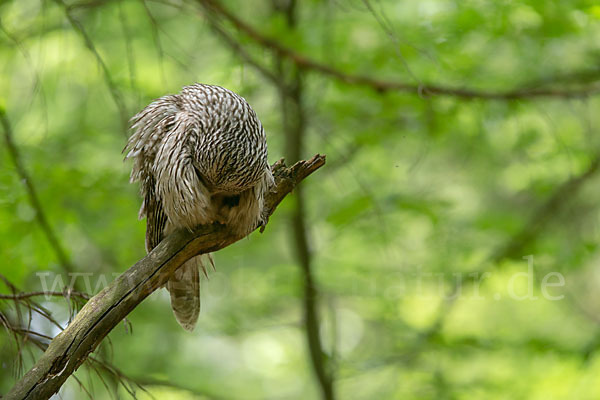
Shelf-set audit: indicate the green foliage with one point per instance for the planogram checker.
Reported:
(419, 191)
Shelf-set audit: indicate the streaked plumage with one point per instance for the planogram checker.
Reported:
(201, 157)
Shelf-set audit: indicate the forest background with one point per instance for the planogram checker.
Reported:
(447, 250)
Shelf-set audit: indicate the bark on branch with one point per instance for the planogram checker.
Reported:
(103, 312)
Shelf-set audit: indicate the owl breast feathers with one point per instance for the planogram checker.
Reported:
(200, 157)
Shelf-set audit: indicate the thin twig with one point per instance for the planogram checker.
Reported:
(239, 50)
(38, 86)
(545, 212)
(34, 199)
(128, 47)
(27, 335)
(26, 295)
(379, 85)
(528, 233)
(28, 303)
(107, 309)
(156, 38)
(113, 89)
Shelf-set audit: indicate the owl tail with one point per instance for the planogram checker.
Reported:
(184, 287)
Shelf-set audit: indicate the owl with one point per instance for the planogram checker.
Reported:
(200, 157)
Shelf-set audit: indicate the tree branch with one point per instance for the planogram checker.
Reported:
(294, 121)
(103, 312)
(23, 334)
(112, 87)
(40, 215)
(243, 54)
(379, 85)
(25, 295)
(530, 231)
(551, 207)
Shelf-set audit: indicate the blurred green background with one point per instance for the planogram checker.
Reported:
(423, 193)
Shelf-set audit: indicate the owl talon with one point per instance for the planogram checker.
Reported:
(212, 262)
(204, 270)
(263, 224)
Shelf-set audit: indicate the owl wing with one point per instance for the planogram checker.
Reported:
(156, 219)
(184, 284)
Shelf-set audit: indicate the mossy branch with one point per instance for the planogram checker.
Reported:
(103, 312)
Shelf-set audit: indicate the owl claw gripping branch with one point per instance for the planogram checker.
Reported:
(200, 157)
